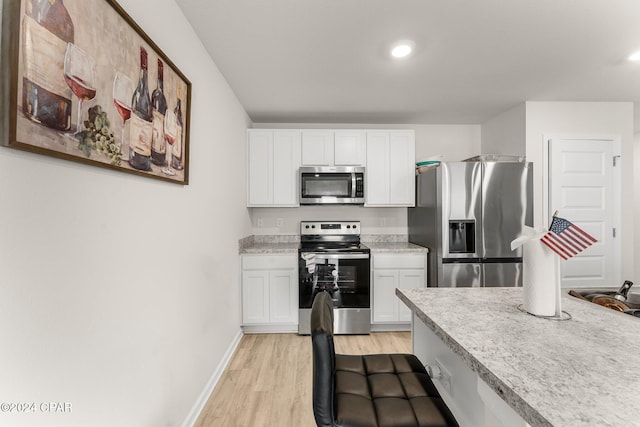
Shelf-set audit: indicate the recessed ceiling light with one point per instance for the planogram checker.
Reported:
(402, 49)
(635, 56)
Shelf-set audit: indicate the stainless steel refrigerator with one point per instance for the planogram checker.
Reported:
(467, 214)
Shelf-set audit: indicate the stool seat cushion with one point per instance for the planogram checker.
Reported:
(386, 390)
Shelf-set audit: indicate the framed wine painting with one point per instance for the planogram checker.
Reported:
(81, 81)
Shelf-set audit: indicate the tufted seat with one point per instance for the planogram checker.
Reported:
(381, 390)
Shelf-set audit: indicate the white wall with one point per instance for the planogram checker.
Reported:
(505, 133)
(586, 118)
(120, 294)
(636, 194)
(373, 220)
(452, 142)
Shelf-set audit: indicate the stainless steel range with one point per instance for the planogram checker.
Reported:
(332, 259)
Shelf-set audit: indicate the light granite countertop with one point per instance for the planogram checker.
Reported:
(579, 372)
(273, 248)
(395, 247)
(288, 244)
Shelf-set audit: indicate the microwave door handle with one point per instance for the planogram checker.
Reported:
(353, 185)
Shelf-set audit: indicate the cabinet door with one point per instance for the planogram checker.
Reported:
(408, 279)
(260, 169)
(402, 168)
(317, 148)
(390, 168)
(283, 297)
(255, 297)
(349, 148)
(286, 160)
(384, 288)
(377, 171)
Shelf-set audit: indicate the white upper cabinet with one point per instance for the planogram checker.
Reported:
(317, 148)
(273, 162)
(390, 168)
(333, 148)
(350, 148)
(275, 155)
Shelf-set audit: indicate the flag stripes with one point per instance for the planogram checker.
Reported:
(566, 239)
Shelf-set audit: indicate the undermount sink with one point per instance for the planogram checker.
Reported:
(633, 299)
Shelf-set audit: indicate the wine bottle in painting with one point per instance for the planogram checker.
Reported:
(47, 29)
(141, 121)
(177, 147)
(159, 102)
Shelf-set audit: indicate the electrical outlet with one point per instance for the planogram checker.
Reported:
(260, 222)
(445, 377)
(279, 222)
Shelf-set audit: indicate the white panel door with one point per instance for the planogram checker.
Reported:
(349, 148)
(255, 297)
(286, 161)
(390, 171)
(377, 171)
(385, 283)
(260, 179)
(582, 181)
(402, 168)
(283, 296)
(409, 279)
(317, 147)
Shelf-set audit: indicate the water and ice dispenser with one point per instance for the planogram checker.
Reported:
(462, 236)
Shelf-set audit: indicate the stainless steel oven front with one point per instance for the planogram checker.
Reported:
(344, 275)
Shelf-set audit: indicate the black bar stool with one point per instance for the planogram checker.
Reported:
(381, 390)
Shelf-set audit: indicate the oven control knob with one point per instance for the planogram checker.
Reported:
(348, 226)
(354, 226)
(306, 226)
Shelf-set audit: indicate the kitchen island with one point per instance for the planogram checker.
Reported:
(507, 367)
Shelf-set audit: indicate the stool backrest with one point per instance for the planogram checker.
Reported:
(324, 359)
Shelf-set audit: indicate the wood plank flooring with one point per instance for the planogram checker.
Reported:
(268, 380)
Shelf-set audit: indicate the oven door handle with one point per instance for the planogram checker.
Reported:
(319, 255)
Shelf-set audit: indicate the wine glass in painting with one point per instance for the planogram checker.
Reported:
(80, 75)
(170, 132)
(122, 90)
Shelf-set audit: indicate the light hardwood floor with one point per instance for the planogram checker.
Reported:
(268, 380)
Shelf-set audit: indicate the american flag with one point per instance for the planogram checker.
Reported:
(566, 239)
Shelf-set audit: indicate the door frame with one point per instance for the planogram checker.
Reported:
(616, 140)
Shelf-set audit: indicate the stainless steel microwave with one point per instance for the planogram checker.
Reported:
(339, 185)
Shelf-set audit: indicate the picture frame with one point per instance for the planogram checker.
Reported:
(81, 81)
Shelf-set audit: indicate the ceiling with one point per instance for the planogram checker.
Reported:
(326, 61)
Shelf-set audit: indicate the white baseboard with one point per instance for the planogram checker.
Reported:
(211, 384)
(270, 329)
(391, 327)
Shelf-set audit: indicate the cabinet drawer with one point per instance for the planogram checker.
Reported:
(269, 262)
(399, 261)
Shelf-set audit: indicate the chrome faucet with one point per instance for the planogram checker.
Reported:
(621, 294)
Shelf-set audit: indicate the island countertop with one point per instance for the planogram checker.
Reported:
(579, 372)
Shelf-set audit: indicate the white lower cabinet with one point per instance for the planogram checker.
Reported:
(391, 271)
(270, 290)
(269, 293)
